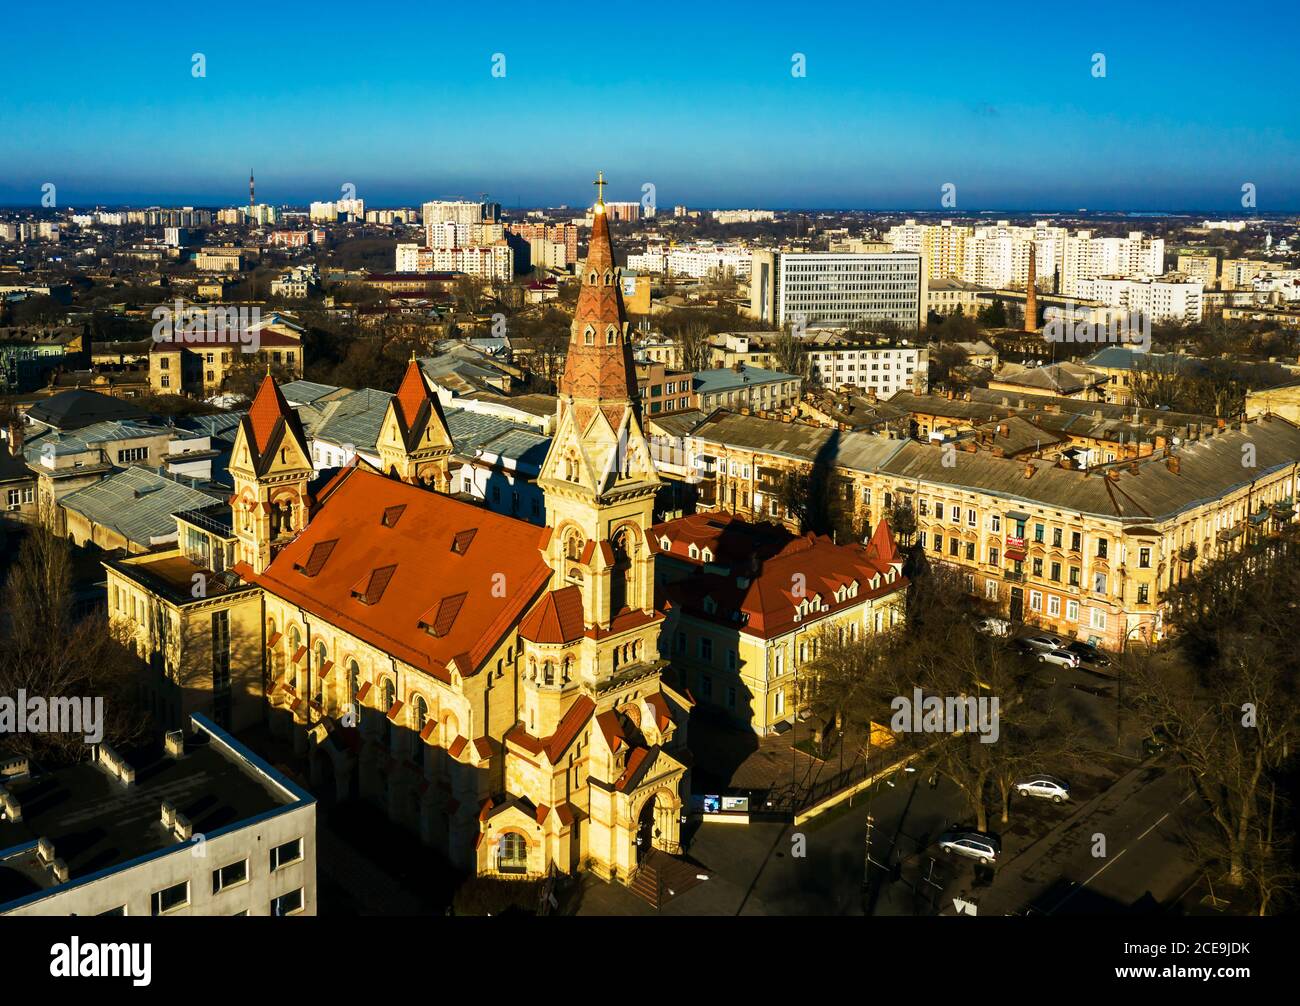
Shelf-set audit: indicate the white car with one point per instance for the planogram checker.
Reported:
(971, 844)
(1042, 641)
(1044, 787)
(1059, 658)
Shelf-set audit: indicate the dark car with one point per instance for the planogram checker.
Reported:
(1089, 654)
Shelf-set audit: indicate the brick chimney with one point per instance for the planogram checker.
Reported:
(1029, 471)
(16, 438)
(1173, 463)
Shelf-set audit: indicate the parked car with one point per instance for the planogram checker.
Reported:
(971, 844)
(1089, 654)
(1042, 641)
(1044, 787)
(1059, 658)
(991, 626)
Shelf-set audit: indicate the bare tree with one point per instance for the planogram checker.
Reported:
(48, 652)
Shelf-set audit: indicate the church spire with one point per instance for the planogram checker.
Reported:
(598, 366)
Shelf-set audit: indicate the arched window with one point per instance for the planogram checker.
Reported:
(318, 680)
(512, 854)
(622, 593)
(354, 686)
(421, 718)
(390, 696)
(295, 641)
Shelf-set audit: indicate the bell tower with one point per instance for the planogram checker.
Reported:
(271, 470)
(598, 477)
(414, 443)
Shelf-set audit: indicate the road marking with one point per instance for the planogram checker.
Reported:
(1117, 858)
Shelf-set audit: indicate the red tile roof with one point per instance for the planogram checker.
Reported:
(761, 597)
(268, 409)
(558, 619)
(422, 567)
(634, 762)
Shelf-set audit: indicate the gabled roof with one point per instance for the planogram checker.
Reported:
(418, 569)
(268, 419)
(416, 407)
(558, 619)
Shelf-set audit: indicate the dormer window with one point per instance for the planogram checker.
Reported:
(666, 544)
(710, 606)
(611, 334)
(693, 551)
(707, 555)
(588, 336)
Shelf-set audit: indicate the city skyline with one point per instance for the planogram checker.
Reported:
(707, 109)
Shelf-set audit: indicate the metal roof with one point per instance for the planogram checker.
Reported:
(137, 503)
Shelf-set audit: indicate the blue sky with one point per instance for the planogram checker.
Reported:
(697, 99)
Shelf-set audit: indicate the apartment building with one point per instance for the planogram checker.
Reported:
(828, 290)
(1173, 297)
(744, 387)
(735, 635)
(1090, 553)
(198, 825)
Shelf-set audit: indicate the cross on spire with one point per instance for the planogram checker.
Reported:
(600, 184)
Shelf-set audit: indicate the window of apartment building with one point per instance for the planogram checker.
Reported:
(164, 363)
(229, 876)
(1098, 618)
(706, 686)
(287, 904)
(283, 855)
(938, 511)
(166, 381)
(1038, 567)
(1143, 593)
(778, 663)
(922, 536)
(1099, 583)
(995, 523)
(1076, 541)
(971, 519)
(994, 556)
(169, 899)
(956, 515)
(1074, 576)
(1056, 572)
(991, 589)
(119, 910)
(129, 454)
(731, 697)
(866, 496)
(1144, 558)
(1103, 548)
(923, 508)
(1038, 532)
(970, 551)
(1072, 610)
(1056, 537)
(17, 497)
(954, 546)
(706, 649)
(733, 660)
(938, 543)
(1053, 605)
(1035, 600)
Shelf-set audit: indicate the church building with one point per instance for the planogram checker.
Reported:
(494, 685)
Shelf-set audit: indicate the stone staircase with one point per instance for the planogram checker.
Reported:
(662, 877)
